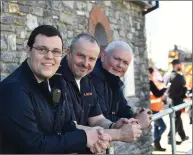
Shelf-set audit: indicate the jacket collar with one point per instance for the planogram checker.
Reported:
(113, 80)
(65, 70)
(29, 76)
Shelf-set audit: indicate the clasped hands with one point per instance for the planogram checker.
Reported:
(97, 140)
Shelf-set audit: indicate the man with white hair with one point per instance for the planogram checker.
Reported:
(112, 65)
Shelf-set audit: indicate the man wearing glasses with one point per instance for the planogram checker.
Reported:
(34, 116)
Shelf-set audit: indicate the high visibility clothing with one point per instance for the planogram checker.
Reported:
(156, 102)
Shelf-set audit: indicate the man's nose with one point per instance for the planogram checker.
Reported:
(86, 63)
(49, 55)
(120, 64)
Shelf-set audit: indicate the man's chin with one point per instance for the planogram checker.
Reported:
(79, 76)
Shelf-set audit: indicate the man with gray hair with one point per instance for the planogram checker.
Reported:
(75, 68)
(112, 65)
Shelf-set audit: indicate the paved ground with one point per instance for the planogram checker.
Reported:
(186, 145)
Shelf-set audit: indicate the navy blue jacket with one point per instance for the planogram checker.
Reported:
(29, 121)
(108, 87)
(85, 101)
(177, 90)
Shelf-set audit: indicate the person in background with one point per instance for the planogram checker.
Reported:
(156, 96)
(177, 93)
(35, 116)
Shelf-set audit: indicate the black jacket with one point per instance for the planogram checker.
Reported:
(111, 98)
(85, 102)
(177, 89)
(30, 123)
(156, 92)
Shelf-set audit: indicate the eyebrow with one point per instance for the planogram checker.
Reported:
(121, 58)
(48, 48)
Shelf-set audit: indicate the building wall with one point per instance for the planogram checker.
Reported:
(121, 20)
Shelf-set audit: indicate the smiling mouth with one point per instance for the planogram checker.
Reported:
(116, 70)
(47, 64)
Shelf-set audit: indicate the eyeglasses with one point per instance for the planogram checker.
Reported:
(44, 50)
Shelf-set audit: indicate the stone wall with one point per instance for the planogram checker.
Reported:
(19, 18)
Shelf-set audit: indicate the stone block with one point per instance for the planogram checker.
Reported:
(130, 36)
(22, 34)
(70, 34)
(62, 28)
(122, 33)
(11, 42)
(80, 5)
(89, 6)
(22, 56)
(132, 30)
(117, 15)
(4, 45)
(9, 67)
(69, 4)
(7, 28)
(13, 8)
(20, 20)
(116, 35)
(81, 27)
(66, 18)
(19, 41)
(80, 13)
(42, 4)
(7, 19)
(25, 9)
(9, 57)
(19, 47)
(48, 21)
(113, 20)
(107, 12)
(56, 5)
(107, 3)
(32, 22)
(4, 6)
(64, 35)
(49, 13)
(114, 27)
(37, 11)
(55, 17)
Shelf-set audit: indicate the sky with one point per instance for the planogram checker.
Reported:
(170, 24)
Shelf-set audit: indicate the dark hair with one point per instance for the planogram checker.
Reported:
(151, 70)
(175, 62)
(84, 35)
(46, 30)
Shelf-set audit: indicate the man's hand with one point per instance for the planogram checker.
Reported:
(97, 140)
(102, 144)
(130, 132)
(144, 116)
(122, 121)
(163, 97)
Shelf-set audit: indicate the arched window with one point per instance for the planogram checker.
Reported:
(101, 36)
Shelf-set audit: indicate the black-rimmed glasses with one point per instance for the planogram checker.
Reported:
(44, 50)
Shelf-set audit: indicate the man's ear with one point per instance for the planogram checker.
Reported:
(28, 50)
(67, 51)
(103, 55)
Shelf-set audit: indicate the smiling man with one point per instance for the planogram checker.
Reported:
(112, 65)
(75, 68)
(35, 116)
